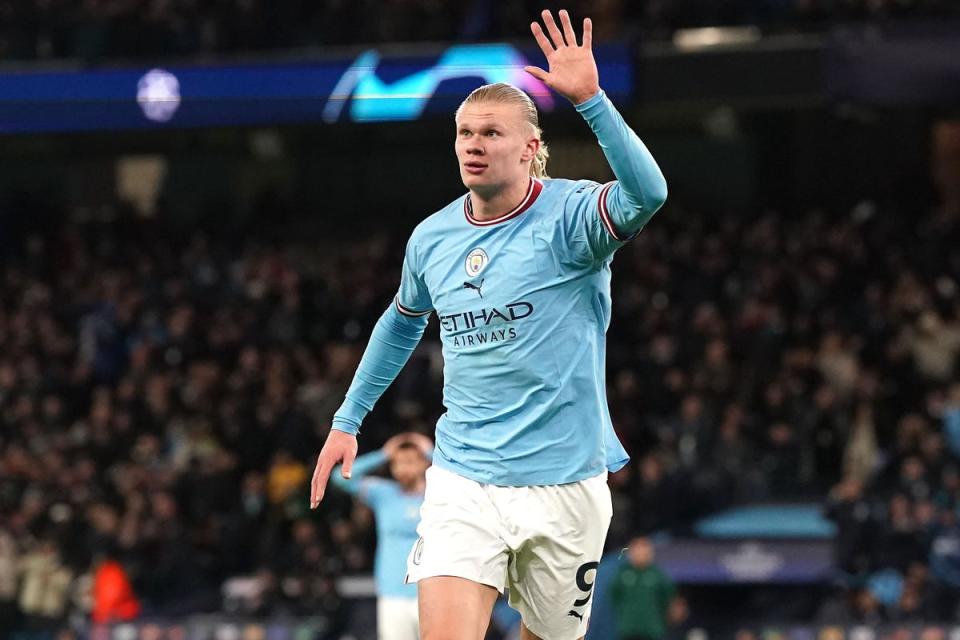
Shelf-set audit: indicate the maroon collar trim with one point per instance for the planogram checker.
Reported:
(533, 191)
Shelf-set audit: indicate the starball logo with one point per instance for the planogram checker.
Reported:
(485, 326)
(372, 99)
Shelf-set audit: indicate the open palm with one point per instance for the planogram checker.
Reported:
(573, 71)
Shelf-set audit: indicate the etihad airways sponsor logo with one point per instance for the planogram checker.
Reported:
(488, 336)
(484, 317)
(485, 326)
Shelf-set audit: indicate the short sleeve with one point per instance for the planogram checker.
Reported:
(413, 298)
(589, 223)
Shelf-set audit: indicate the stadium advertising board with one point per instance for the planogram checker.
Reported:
(373, 86)
(712, 562)
(305, 629)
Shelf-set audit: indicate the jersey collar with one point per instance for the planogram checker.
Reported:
(533, 191)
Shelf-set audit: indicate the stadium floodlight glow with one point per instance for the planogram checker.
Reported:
(708, 37)
(158, 94)
(373, 100)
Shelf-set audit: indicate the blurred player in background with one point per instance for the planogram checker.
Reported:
(396, 507)
(643, 597)
(518, 272)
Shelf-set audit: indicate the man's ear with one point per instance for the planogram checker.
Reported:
(530, 151)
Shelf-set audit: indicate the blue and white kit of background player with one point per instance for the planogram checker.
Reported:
(396, 513)
(517, 493)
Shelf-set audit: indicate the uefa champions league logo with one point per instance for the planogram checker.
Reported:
(373, 100)
(366, 97)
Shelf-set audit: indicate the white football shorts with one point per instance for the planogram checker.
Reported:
(397, 619)
(542, 543)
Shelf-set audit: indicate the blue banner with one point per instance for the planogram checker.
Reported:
(371, 87)
(751, 561)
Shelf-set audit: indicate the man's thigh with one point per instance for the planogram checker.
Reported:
(459, 533)
(454, 608)
(460, 561)
(554, 600)
(526, 634)
(551, 576)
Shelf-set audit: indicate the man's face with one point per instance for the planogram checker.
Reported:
(408, 466)
(495, 145)
(641, 553)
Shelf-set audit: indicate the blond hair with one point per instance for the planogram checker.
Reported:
(504, 93)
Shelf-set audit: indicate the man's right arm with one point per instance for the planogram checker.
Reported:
(391, 343)
(394, 338)
(396, 335)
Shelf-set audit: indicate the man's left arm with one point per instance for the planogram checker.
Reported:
(626, 205)
(640, 189)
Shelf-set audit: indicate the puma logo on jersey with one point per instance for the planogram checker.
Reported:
(475, 287)
(574, 614)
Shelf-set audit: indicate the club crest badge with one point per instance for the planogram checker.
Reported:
(418, 551)
(476, 262)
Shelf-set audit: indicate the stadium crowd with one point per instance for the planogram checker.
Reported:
(98, 29)
(162, 400)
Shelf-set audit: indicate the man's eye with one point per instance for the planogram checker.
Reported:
(492, 134)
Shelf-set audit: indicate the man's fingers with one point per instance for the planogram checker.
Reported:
(318, 486)
(553, 29)
(537, 73)
(541, 39)
(347, 469)
(568, 28)
(587, 33)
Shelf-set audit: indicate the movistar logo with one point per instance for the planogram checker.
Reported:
(375, 100)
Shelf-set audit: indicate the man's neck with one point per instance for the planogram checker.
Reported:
(488, 206)
(414, 488)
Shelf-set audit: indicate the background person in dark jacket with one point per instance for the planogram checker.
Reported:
(644, 598)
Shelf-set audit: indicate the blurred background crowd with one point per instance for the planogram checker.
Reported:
(162, 399)
(786, 329)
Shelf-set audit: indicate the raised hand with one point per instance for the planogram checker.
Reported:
(339, 447)
(573, 71)
(424, 443)
(390, 446)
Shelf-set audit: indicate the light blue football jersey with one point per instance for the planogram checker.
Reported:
(397, 514)
(524, 304)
